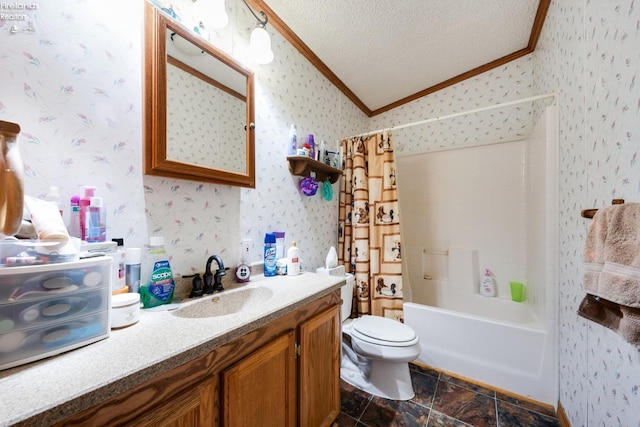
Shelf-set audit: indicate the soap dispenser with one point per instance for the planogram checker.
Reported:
(487, 286)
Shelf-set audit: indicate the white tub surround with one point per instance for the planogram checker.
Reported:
(467, 208)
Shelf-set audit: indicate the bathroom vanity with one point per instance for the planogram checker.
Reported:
(268, 357)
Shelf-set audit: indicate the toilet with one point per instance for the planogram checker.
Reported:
(376, 351)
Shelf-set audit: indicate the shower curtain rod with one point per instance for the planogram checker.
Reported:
(462, 113)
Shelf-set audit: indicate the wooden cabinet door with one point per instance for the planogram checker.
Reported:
(260, 390)
(319, 392)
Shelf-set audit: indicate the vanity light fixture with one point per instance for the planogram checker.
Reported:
(260, 41)
(212, 13)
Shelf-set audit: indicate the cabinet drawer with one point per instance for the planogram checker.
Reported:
(52, 310)
(48, 309)
(20, 347)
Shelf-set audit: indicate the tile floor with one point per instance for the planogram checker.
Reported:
(440, 400)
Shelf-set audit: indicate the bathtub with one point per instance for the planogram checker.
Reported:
(494, 341)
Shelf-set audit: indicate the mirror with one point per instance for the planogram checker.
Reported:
(199, 114)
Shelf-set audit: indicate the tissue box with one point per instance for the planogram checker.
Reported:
(336, 271)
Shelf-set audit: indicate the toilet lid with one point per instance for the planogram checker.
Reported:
(377, 329)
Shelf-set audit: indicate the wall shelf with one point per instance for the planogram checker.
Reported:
(303, 166)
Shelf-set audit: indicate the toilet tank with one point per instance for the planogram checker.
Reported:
(346, 293)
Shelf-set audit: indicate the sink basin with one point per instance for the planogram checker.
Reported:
(225, 303)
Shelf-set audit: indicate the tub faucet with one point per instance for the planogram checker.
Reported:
(216, 286)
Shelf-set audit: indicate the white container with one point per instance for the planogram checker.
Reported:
(52, 308)
(293, 260)
(125, 310)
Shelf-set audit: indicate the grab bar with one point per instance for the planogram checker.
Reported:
(589, 213)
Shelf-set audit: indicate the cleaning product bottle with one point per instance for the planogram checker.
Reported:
(269, 255)
(158, 288)
(487, 286)
(292, 141)
(293, 260)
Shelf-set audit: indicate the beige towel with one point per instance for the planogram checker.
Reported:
(612, 255)
(612, 270)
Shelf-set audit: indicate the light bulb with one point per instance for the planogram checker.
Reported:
(211, 12)
(260, 46)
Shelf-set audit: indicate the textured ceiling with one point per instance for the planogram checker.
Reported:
(384, 50)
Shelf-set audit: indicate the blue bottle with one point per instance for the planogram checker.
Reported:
(269, 255)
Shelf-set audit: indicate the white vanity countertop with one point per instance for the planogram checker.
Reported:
(53, 389)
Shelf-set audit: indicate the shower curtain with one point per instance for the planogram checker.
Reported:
(369, 225)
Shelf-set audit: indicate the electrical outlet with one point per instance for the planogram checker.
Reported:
(245, 249)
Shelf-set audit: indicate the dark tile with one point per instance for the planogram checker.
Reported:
(515, 416)
(344, 420)
(437, 419)
(548, 411)
(468, 385)
(425, 388)
(390, 413)
(353, 401)
(465, 405)
(424, 370)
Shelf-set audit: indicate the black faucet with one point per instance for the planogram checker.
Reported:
(196, 290)
(216, 286)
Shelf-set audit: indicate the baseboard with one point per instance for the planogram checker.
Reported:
(562, 416)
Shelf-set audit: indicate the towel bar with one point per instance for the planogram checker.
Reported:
(589, 213)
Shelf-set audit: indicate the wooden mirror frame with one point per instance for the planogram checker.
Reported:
(155, 101)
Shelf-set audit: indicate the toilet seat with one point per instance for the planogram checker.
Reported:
(382, 331)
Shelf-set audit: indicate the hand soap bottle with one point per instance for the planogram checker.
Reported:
(487, 286)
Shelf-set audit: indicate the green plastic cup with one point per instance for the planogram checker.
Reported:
(517, 289)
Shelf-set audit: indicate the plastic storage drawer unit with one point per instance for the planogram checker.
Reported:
(52, 308)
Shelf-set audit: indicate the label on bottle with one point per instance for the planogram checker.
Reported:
(161, 282)
(270, 260)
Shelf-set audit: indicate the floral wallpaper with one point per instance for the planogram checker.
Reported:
(75, 87)
(588, 51)
(510, 82)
